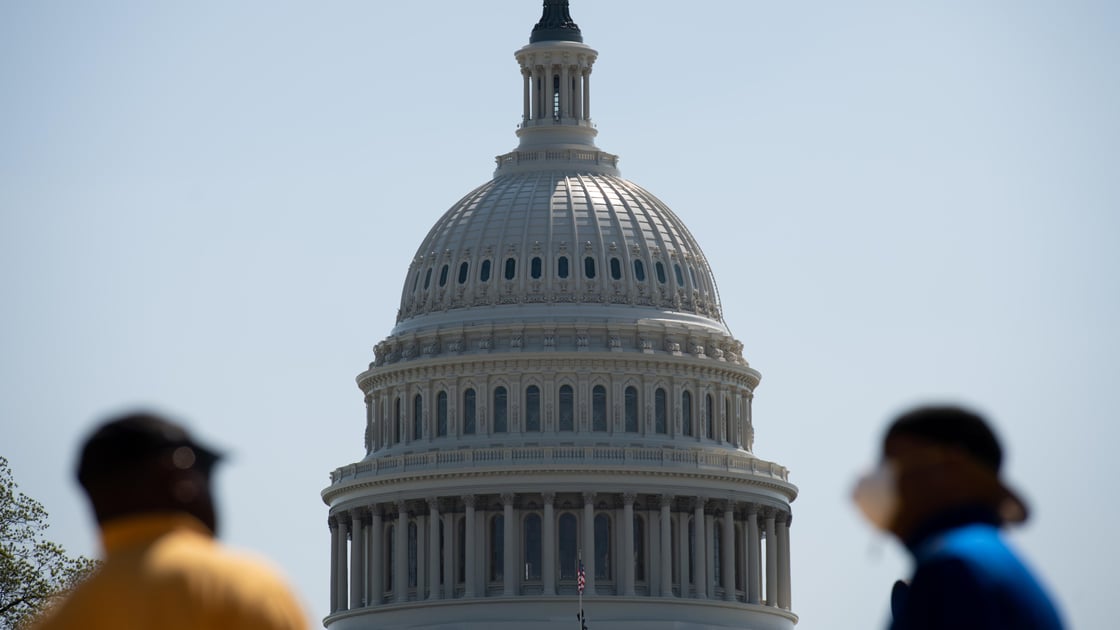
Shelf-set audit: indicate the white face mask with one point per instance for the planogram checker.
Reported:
(876, 495)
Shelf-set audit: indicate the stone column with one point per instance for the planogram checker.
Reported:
(627, 552)
(434, 555)
(470, 572)
(577, 98)
(589, 542)
(771, 559)
(343, 534)
(565, 92)
(754, 553)
(727, 551)
(400, 542)
(684, 554)
(710, 552)
(783, 561)
(449, 556)
(699, 525)
(538, 91)
(421, 556)
(333, 526)
(666, 547)
(548, 545)
(376, 563)
(587, 94)
(357, 555)
(510, 550)
(527, 79)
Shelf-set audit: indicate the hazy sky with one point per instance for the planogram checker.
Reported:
(209, 208)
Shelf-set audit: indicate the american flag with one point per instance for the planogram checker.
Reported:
(581, 578)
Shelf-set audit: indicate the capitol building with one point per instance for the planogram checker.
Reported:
(560, 396)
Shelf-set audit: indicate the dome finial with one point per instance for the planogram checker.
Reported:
(556, 24)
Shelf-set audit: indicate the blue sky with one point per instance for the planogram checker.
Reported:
(209, 208)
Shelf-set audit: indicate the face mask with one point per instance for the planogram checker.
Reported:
(876, 496)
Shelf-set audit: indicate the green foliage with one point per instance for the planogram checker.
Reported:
(33, 570)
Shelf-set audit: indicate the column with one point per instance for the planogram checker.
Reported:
(509, 571)
(783, 561)
(526, 75)
(333, 526)
(684, 561)
(548, 545)
(538, 91)
(710, 552)
(754, 553)
(376, 564)
(449, 574)
(577, 98)
(587, 94)
(698, 527)
(434, 555)
(341, 552)
(357, 554)
(470, 553)
(771, 560)
(565, 92)
(727, 551)
(400, 544)
(421, 556)
(589, 542)
(626, 554)
(666, 547)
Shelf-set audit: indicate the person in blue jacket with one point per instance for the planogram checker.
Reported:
(937, 489)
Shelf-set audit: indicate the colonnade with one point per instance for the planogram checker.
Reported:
(556, 91)
(530, 544)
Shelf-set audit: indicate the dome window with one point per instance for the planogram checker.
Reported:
(468, 412)
(599, 408)
(677, 272)
(639, 271)
(589, 267)
(567, 415)
(484, 272)
(660, 268)
(562, 267)
(710, 415)
(417, 417)
(443, 276)
(535, 268)
(533, 408)
(428, 279)
(511, 268)
(501, 410)
(631, 409)
(463, 268)
(441, 414)
(616, 269)
(660, 410)
(686, 413)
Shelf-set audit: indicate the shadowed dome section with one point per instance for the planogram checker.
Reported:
(560, 238)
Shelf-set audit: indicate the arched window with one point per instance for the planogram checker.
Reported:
(639, 549)
(463, 270)
(441, 414)
(616, 269)
(589, 267)
(461, 564)
(511, 268)
(639, 271)
(599, 408)
(532, 408)
(417, 417)
(568, 540)
(501, 410)
(603, 547)
(535, 267)
(397, 413)
(562, 267)
(428, 278)
(390, 554)
(729, 426)
(677, 272)
(412, 555)
(443, 276)
(497, 548)
(631, 409)
(686, 412)
(660, 411)
(660, 269)
(710, 410)
(532, 538)
(484, 271)
(468, 412)
(567, 411)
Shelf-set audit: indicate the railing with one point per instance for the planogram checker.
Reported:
(567, 155)
(593, 457)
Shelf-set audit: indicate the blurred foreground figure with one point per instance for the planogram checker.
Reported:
(937, 489)
(149, 484)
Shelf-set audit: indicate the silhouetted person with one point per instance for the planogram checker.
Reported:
(149, 484)
(937, 490)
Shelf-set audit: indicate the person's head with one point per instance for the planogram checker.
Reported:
(936, 459)
(142, 463)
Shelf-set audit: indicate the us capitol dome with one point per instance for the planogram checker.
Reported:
(560, 397)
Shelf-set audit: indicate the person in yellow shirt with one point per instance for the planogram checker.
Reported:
(148, 481)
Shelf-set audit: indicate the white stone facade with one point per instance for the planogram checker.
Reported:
(559, 387)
